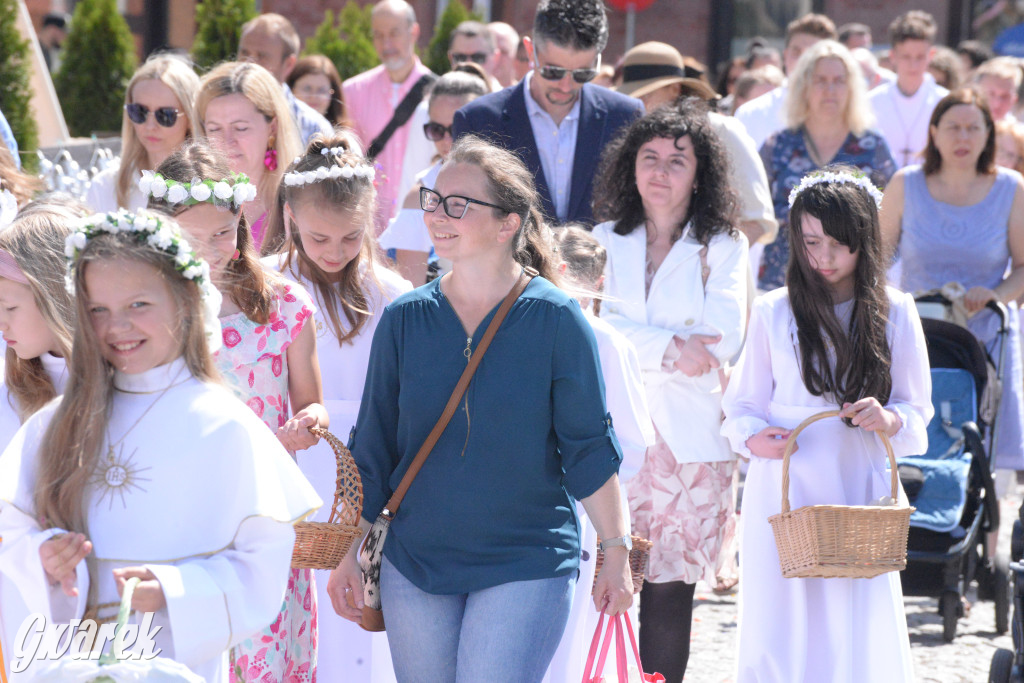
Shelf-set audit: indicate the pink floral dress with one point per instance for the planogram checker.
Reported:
(254, 365)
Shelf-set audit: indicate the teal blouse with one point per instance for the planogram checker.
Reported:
(493, 502)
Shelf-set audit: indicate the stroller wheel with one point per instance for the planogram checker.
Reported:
(1001, 593)
(950, 608)
(1001, 669)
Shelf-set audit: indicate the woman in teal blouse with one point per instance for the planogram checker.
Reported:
(480, 562)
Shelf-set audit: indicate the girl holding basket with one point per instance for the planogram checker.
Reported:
(835, 338)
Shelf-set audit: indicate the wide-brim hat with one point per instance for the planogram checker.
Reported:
(653, 65)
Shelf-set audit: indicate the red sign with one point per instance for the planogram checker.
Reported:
(638, 5)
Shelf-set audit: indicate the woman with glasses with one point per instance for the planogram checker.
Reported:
(829, 122)
(242, 110)
(315, 81)
(481, 560)
(406, 233)
(676, 286)
(158, 117)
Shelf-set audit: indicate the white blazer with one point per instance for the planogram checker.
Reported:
(685, 410)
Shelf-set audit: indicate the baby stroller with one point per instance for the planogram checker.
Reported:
(951, 486)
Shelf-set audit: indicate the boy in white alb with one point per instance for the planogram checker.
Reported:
(903, 108)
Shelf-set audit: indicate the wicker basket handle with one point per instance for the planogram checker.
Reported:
(791, 444)
(340, 452)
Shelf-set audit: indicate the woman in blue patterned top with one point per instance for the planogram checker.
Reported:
(828, 117)
(481, 560)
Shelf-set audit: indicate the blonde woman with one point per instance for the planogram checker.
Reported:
(828, 121)
(242, 111)
(158, 117)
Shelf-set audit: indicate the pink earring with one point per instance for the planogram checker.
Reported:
(270, 159)
(237, 255)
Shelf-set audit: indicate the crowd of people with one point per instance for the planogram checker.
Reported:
(679, 272)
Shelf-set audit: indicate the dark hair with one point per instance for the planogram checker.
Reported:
(573, 24)
(947, 63)
(337, 113)
(460, 83)
(713, 204)
(473, 29)
(863, 359)
(976, 51)
(914, 25)
(817, 25)
(987, 160)
(247, 282)
(510, 185)
(58, 19)
(355, 196)
(847, 31)
(724, 69)
(762, 53)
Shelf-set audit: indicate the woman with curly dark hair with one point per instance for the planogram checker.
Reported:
(676, 282)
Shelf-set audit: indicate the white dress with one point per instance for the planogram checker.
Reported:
(195, 490)
(57, 370)
(818, 630)
(102, 194)
(345, 651)
(627, 404)
(903, 121)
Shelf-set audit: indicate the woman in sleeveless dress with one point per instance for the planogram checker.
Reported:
(968, 236)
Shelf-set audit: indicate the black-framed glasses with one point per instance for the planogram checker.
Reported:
(435, 132)
(454, 205)
(475, 57)
(165, 116)
(557, 73)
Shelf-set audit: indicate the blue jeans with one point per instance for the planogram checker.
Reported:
(504, 634)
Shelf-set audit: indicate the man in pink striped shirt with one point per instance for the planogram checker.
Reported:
(372, 96)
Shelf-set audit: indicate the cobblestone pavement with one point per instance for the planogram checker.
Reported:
(965, 660)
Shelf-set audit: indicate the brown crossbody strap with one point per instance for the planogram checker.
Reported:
(453, 403)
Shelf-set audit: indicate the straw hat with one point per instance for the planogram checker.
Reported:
(653, 65)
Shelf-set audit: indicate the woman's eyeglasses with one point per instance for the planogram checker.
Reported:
(165, 116)
(319, 93)
(454, 205)
(435, 132)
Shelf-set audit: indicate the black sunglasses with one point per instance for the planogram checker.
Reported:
(475, 57)
(557, 73)
(165, 116)
(435, 132)
(454, 205)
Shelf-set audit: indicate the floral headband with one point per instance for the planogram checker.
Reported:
(840, 177)
(165, 238)
(237, 190)
(300, 178)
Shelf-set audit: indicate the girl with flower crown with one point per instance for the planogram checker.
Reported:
(328, 205)
(835, 338)
(148, 467)
(268, 359)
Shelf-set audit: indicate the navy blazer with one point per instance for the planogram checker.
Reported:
(501, 118)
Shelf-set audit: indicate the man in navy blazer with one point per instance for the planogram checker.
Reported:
(554, 119)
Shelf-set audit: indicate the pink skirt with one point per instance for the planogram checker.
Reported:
(686, 510)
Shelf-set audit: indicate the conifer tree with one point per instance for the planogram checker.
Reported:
(346, 40)
(15, 90)
(218, 30)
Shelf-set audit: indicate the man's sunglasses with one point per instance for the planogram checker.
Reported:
(557, 73)
(435, 132)
(165, 116)
(475, 57)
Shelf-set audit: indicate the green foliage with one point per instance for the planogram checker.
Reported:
(98, 61)
(348, 42)
(218, 29)
(437, 51)
(15, 91)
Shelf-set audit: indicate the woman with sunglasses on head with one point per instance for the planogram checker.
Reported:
(480, 563)
(407, 234)
(158, 117)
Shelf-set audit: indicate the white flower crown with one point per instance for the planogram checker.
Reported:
(300, 178)
(818, 177)
(165, 238)
(237, 190)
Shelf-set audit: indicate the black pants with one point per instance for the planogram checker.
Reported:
(666, 612)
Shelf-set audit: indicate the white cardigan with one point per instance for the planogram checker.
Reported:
(686, 410)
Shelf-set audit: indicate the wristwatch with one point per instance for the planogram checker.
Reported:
(624, 541)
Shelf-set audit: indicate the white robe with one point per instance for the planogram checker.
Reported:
(903, 121)
(627, 403)
(818, 630)
(206, 502)
(345, 652)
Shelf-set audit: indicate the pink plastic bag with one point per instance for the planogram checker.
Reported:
(594, 674)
